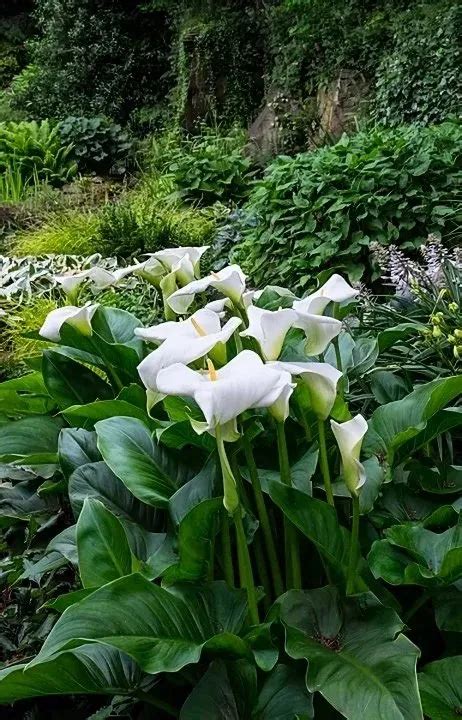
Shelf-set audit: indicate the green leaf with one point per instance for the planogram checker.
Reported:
(148, 471)
(318, 522)
(89, 669)
(413, 555)
(399, 334)
(301, 472)
(96, 480)
(364, 355)
(69, 382)
(87, 415)
(226, 691)
(448, 608)
(76, 448)
(357, 657)
(284, 696)
(196, 535)
(199, 488)
(102, 546)
(35, 436)
(162, 630)
(388, 387)
(26, 395)
(398, 422)
(441, 689)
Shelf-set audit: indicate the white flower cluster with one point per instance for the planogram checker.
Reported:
(253, 378)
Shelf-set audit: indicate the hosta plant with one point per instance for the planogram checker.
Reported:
(251, 533)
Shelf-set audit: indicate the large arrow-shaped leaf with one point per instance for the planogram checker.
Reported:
(89, 669)
(162, 630)
(356, 656)
(149, 471)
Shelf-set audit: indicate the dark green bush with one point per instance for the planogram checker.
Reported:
(99, 145)
(95, 57)
(211, 167)
(324, 208)
(420, 80)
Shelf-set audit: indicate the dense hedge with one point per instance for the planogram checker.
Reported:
(327, 207)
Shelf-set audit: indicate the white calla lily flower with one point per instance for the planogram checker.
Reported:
(336, 290)
(320, 330)
(71, 282)
(244, 383)
(102, 279)
(183, 342)
(349, 436)
(172, 258)
(269, 328)
(230, 282)
(78, 317)
(321, 380)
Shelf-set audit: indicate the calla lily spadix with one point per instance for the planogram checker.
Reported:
(182, 342)
(349, 436)
(223, 394)
(79, 318)
(321, 380)
(336, 290)
(230, 282)
(269, 328)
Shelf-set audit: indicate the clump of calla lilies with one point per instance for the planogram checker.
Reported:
(221, 347)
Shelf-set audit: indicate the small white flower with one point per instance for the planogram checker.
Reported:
(79, 318)
(230, 282)
(349, 436)
(336, 290)
(321, 380)
(244, 383)
(183, 342)
(269, 328)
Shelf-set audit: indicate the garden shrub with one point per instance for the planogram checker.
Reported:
(37, 152)
(74, 233)
(211, 167)
(15, 345)
(420, 79)
(324, 208)
(99, 145)
(138, 224)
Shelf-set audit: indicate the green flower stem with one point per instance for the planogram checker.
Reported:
(354, 548)
(245, 568)
(338, 356)
(324, 462)
(227, 556)
(233, 506)
(263, 518)
(292, 550)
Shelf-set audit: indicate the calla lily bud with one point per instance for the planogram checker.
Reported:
(79, 318)
(269, 328)
(230, 282)
(321, 380)
(349, 436)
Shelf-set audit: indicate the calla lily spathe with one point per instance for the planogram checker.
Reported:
(349, 436)
(321, 380)
(269, 328)
(172, 257)
(230, 282)
(183, 342)
(336, 290)
(319, 331)
(80, 318)
(244, 383)
(71, 282)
